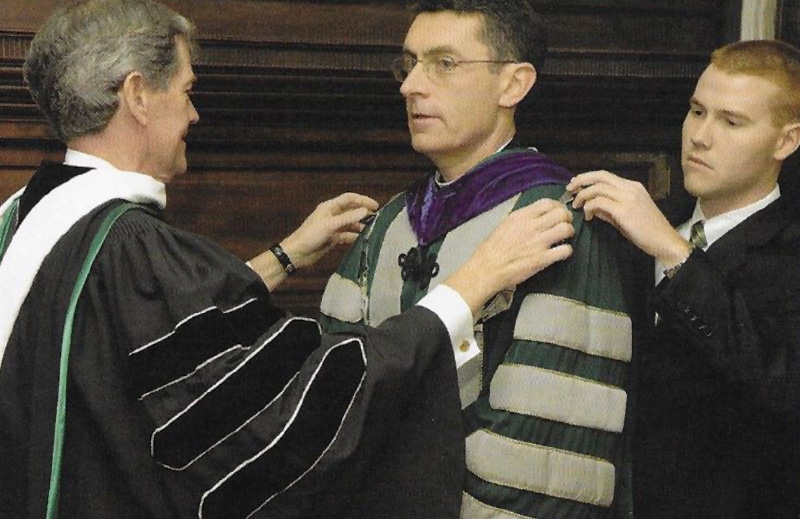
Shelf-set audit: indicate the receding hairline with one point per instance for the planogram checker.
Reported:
(447, 48)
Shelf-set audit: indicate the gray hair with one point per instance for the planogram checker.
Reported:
(81, 56)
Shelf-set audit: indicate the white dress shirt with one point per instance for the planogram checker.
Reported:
(716, 227)
(454, 312)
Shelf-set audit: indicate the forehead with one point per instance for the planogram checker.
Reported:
(445, 30)
(741, 93)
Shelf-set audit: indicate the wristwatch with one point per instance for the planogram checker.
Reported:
(283, 258)
(670, 272)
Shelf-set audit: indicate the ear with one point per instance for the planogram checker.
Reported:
(134, 96)
(788, 142)
(519, 79)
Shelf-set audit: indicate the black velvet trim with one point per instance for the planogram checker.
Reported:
(49, 176)
(318, 420)
(197, 340)
(243, 394)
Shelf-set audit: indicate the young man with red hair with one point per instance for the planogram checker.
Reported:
(717, 411)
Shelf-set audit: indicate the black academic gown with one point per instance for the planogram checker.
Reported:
(190, 395)
(718, 401)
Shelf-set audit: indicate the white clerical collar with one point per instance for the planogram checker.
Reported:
(717, 226)
(439, 179)
(84, 160)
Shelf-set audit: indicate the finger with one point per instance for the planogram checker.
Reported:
(548, 213)
(599, 179)
(558, 253)
(346, 238)
(356, 228)
(531, 231)
(558, 233)
(539, 207)
(579, 181)
(349, 218)
(588, 178)
(602, 208)
(347, 201)
(591, 192)
(531, 265)
(546, 205)
(553, 217)
(340, 204)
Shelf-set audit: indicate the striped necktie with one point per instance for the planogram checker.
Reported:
(697, 236)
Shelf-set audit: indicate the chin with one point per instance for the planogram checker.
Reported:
(424, 145)
(690, 180)
(694, 189)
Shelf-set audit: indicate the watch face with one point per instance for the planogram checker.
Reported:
(283, 258)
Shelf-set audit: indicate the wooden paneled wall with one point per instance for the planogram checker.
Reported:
(297, 105)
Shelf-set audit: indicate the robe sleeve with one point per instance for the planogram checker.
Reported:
(247, 410)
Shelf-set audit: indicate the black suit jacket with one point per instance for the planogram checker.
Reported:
(718, 403)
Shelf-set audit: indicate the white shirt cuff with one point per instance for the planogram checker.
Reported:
(456, 316)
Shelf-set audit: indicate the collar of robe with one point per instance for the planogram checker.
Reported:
(436, 210)
(51, 218)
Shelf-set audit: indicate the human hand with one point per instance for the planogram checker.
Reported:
(526, 242)
(334, 222)
(627, 205)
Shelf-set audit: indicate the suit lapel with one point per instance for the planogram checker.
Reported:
(731, 251)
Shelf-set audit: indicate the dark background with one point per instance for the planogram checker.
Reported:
(297, 105)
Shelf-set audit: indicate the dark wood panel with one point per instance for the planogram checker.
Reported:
(12, 181)
(297, 105)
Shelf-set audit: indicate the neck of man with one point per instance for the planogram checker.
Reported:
(454, 166)
(114, 144)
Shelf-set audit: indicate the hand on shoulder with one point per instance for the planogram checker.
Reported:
(627, 205)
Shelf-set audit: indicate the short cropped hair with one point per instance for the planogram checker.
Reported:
(773, 60)
(513, 30)
(80, 58)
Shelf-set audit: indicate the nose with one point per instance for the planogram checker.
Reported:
(415, 82)
(700, 133)
(194, 116)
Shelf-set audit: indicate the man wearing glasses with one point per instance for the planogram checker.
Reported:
(145, 371)
(542, 389)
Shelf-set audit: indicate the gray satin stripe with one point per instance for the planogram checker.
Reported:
(471, 508)
(526, 466)
(342, 299)
(558, 397)
(571, 324)
(461, 242)
(384, 297)
(469, 380)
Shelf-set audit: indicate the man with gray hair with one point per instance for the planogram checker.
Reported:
(144, 371)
